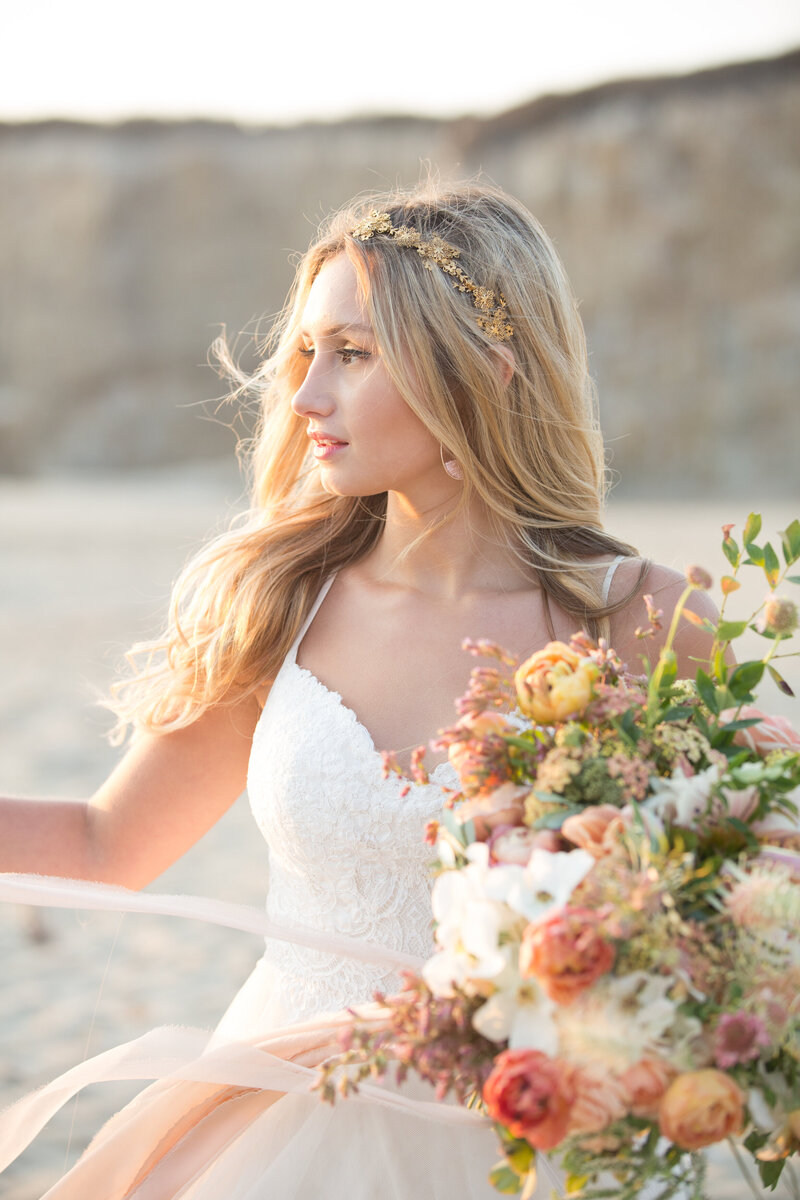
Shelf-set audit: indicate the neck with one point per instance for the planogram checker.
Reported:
(459, 556)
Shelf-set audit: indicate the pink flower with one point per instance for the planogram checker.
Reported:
(738, 1038)
(771, 733)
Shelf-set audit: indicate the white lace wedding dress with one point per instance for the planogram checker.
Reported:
(231, 1117)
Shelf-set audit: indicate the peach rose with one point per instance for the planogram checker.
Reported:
(700, 1108)
(516, 843)
(531, 1095)
(565, 953)
(555, 684)
(771, 733)
(646, 1081)
(588, 829)
(600, 1099)
(501, 807)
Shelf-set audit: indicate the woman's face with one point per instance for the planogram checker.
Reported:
(365, 438)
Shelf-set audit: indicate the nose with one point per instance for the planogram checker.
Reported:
(314, 398)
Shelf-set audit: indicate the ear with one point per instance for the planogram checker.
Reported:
(506, 363)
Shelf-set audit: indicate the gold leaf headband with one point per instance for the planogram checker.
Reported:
(493, 315)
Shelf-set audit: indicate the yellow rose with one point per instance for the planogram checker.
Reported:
(555, 684)
(700, 1108)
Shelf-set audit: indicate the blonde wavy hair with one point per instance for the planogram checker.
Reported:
(531, 450)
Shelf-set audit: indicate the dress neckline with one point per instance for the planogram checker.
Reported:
(331, 696)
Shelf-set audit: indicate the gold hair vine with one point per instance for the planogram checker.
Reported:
(493, 318)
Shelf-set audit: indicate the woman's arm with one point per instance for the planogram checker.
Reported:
(167, 791)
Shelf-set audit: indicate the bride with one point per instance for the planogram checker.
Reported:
(428, 468)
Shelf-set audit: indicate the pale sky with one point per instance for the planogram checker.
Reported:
(305, 59)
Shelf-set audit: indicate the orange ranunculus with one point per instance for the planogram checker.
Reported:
(565, 953)
(555, 684)
(700, 1108)
(588, 828)
(531, 1095)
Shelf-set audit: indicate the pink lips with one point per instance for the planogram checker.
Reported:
(325, 445)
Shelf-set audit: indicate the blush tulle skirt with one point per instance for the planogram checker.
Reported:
(232, 1116)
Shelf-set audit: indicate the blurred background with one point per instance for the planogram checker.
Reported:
(160, 166)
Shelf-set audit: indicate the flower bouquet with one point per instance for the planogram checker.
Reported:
(617, 912)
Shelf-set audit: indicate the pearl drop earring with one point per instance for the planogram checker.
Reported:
(453, 469)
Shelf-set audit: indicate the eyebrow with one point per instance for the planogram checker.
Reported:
(347, 327)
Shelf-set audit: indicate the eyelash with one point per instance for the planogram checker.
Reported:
(347, 354)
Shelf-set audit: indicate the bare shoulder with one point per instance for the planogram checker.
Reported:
(633, 580)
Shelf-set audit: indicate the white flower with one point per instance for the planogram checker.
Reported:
(682, 799)
(519, 1011)
(469, 927)
(543, 886)
(620, 1019)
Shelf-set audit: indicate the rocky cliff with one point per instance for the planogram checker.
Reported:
(675, 204)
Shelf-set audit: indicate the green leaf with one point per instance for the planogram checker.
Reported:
(720, 666)
(708, 693)
(755, 1140)
(756, 554)
(770, 1172)
(781, 682)
(752, 528)
(745, 723)
(453, 826)
(504, 1180)
(731, 552)
(522, 1157)
(790, 540)
(678, 712)
(728, 630)
(744, 678)
(793, 578)
(772, 566)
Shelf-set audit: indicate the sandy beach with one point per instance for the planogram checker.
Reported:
(85, 568)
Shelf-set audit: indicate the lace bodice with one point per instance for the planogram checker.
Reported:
(346, 850)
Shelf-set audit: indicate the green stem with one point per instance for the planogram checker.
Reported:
(794, 1186)
(742, 1165)
(658, 674)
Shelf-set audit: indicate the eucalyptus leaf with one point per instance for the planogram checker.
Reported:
(744, 678)
(752, 528)
(728, 630)
(731, 552)
(772, 566)
(790, 540)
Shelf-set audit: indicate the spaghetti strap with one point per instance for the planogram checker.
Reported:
(612, 567)
(326, 587)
